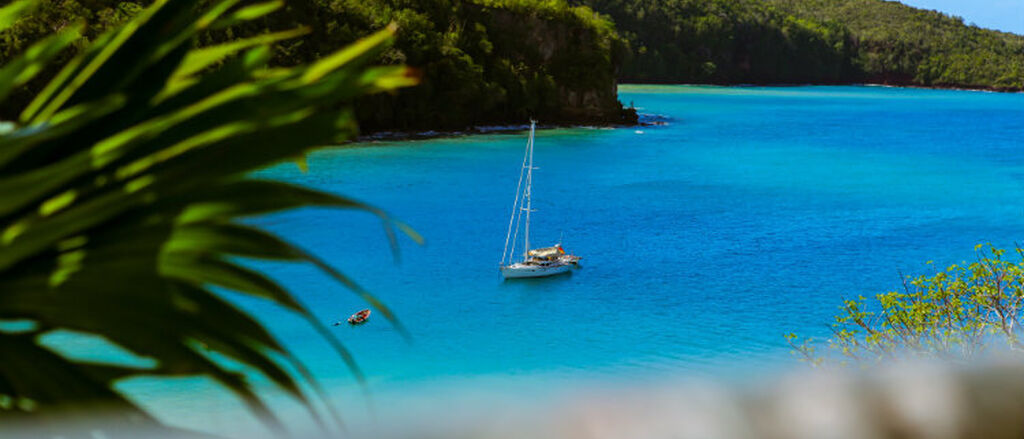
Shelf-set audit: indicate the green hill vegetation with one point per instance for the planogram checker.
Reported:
(728, 41)
(482, 61)
(503, 61)
(899, 44)
(810, 41)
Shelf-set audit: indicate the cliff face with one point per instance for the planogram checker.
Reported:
(580, 58)
(499, 62)
(483, 62)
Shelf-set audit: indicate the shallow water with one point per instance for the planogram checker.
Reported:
(751, 214)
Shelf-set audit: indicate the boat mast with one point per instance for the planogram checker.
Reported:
(517, 210)
(529, 189)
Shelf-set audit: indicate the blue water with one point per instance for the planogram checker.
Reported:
(751, 214)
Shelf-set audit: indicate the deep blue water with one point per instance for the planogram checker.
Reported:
(751, 214)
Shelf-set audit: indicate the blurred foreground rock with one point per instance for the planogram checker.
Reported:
(905, 401)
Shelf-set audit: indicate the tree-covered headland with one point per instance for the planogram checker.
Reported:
(481, 61)
(503, 61)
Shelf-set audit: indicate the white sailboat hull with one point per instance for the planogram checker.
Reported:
(541, 262)
(519, 271)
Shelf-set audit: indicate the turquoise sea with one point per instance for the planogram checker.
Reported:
(751, 213)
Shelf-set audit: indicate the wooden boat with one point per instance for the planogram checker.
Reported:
(359, 318)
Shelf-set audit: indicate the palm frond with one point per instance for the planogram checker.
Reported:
(121, 187)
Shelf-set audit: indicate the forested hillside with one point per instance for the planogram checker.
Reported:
(504, 61)
(903, 45)
(728, 41)
(810, 41)
(482, 61)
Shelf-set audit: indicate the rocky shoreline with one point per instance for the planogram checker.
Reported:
(643, 120)
(959, 87)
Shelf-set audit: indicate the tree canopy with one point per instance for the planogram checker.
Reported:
(482, 61)
(904, 45)
(504, 61)
(957, 313)
(810, 41)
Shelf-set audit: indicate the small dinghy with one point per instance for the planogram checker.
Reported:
(359, 318)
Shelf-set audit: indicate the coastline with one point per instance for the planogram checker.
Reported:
(941, 87)
(643, 119)
(957, 87)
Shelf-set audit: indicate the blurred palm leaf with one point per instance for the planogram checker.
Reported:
(120, 190)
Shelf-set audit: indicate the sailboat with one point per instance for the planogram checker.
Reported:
(540, 262)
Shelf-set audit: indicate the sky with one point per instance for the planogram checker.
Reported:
(1004, 15)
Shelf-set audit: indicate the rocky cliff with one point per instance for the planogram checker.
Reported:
(505, 62)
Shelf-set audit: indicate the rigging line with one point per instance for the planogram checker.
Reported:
(525, 199)
(529, 194)
(515, 236)
(519, 207)
(515, 210)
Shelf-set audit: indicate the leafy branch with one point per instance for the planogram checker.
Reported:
(121, 187)
(957, 313)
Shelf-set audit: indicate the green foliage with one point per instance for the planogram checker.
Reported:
(482, 61)
(88, 18)
(500, 61)
(816, 41)
(904, 45)
(121, 188)
(727, 41)
(957, 313)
